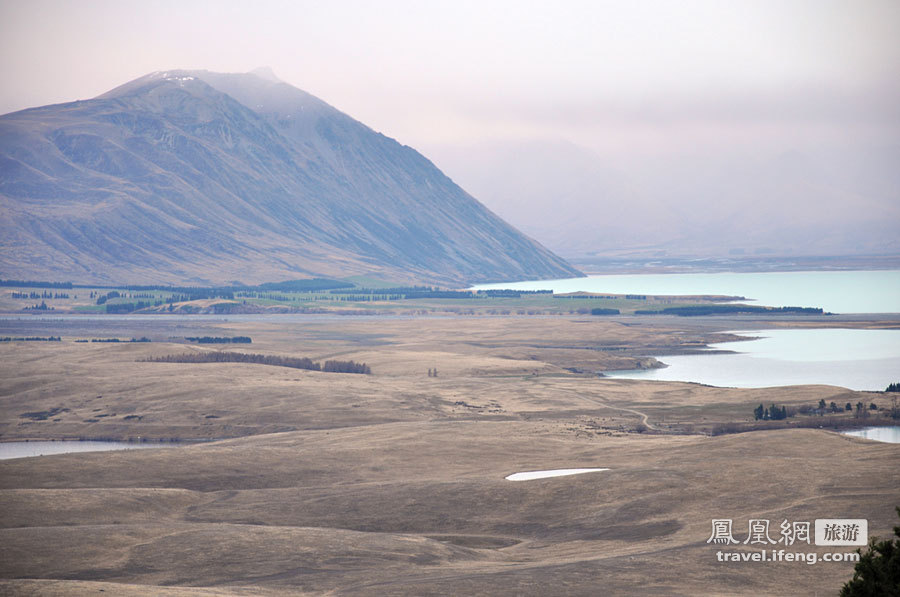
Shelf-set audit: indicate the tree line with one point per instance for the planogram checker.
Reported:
(45, 294)
(219, 339)
(331, 366)
(697, 310)
(34, 284)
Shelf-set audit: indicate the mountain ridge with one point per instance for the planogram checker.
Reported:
(193, 176)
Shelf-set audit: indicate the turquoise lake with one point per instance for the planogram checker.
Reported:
(854, 359)
(833, 291)
(850, 358)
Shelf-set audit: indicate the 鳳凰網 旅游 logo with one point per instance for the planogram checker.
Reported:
(839, 532)
(781, 542)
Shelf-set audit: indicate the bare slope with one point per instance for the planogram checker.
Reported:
(209, 177)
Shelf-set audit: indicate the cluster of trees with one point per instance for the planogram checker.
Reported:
(129, 307)
(101, 299)
(219, 340)
(773, 413)
(264, 359)
(894, 387)
(823, 408)
(878, 570)
(602, 311)
(32, 339)
(346, 367)
(432, 372)
(42, 307)
(862, 412)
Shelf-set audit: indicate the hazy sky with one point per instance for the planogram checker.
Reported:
(690, 110)
(618, 77)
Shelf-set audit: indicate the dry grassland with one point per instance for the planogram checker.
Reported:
(393, 483)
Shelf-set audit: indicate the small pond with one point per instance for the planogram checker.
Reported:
(890, 435)
(46, 448)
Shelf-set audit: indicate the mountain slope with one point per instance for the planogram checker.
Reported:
(205, 177)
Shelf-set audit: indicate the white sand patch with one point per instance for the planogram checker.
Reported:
(560, 472)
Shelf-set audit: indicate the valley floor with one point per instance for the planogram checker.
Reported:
(393, 483)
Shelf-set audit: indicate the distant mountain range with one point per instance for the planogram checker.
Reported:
(201, 177)
(827, 201)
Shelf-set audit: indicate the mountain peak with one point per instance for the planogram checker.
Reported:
(184, 175)
(266, 72)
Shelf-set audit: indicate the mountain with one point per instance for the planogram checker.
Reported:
(815, 202)
(194, 176)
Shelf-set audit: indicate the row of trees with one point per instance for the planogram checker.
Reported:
(860, 410)
(331, 366)
(346, 367)
(698, 310)
(34, 284)
(219, 340)
(115, 340)
(46, 294)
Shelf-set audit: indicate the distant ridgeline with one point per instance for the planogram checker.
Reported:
(697, 310)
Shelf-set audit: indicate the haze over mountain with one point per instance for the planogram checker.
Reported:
(815, 202)
(193, 176)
